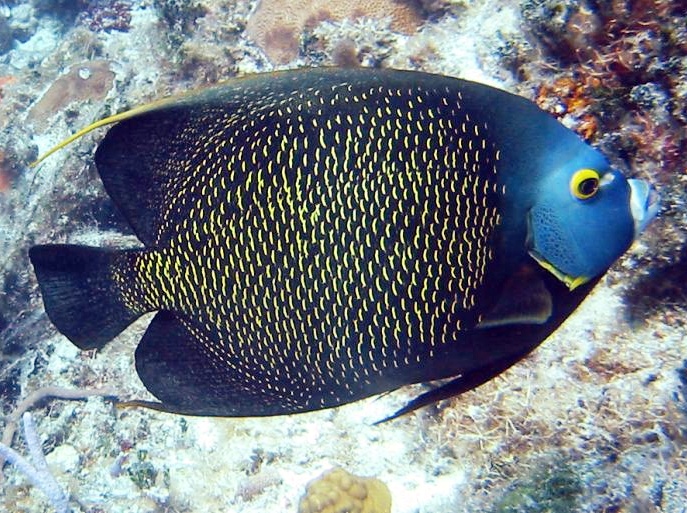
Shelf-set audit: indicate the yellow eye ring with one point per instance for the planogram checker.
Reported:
(584, 183)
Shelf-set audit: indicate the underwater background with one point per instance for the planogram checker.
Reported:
(595, 420)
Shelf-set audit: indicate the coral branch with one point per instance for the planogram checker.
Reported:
(36, 397)
(36, 470)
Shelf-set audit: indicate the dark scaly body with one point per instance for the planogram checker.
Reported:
(314, 249)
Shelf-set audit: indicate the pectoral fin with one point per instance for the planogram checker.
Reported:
(525, 299)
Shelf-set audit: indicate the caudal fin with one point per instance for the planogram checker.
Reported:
(79, 294)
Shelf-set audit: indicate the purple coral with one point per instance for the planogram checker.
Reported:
(107, 15)
(36, 468)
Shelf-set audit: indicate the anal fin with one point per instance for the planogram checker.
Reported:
(174, 367)
(192, 373)
(463, 383)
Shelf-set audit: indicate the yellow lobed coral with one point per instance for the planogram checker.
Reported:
(337, 491)
(276, 26)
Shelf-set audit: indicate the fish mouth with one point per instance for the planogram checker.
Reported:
(644, 204)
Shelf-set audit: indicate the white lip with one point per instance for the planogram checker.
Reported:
(644, 203)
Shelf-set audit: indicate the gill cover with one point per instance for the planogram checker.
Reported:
(580, 222)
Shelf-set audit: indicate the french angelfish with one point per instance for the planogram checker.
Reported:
(318, 236)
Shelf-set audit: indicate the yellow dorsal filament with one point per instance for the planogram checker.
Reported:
(115, 118)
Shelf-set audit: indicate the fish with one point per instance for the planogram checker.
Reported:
(313, 237)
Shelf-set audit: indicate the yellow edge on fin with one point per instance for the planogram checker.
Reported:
(572, 282)
(146, 108)
(115, 118)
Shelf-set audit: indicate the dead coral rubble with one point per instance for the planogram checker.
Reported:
(35, 468)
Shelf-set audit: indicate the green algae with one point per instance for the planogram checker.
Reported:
(549, 489)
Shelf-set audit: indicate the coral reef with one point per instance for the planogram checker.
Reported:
(83, 82)
(98, 15)
(256, 484)
(663, 292)
(8, 170)
(22, 22)
(207, 40)
(624, 66)
(141, 471)
(180, 15)
(107, 16)
(60, 6)
(38, 396)
(278, 27)
(567, 97)
(5, 35)
(364, 42)
(336, 490)
(6, 81)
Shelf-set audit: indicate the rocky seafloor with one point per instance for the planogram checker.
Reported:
(595, 420)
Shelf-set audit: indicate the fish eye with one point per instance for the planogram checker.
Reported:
(584, 183)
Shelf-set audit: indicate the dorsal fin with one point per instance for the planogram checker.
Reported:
(175, 99)
(110, 120)
(132, 169)
(136, 162)
(155, 152)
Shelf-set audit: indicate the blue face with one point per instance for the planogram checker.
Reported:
(583, 218)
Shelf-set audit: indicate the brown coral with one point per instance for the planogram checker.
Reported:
(276, 26)
(5, 81)
(5, 181)
(338, 491)
(571, 96)
(87, 81)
